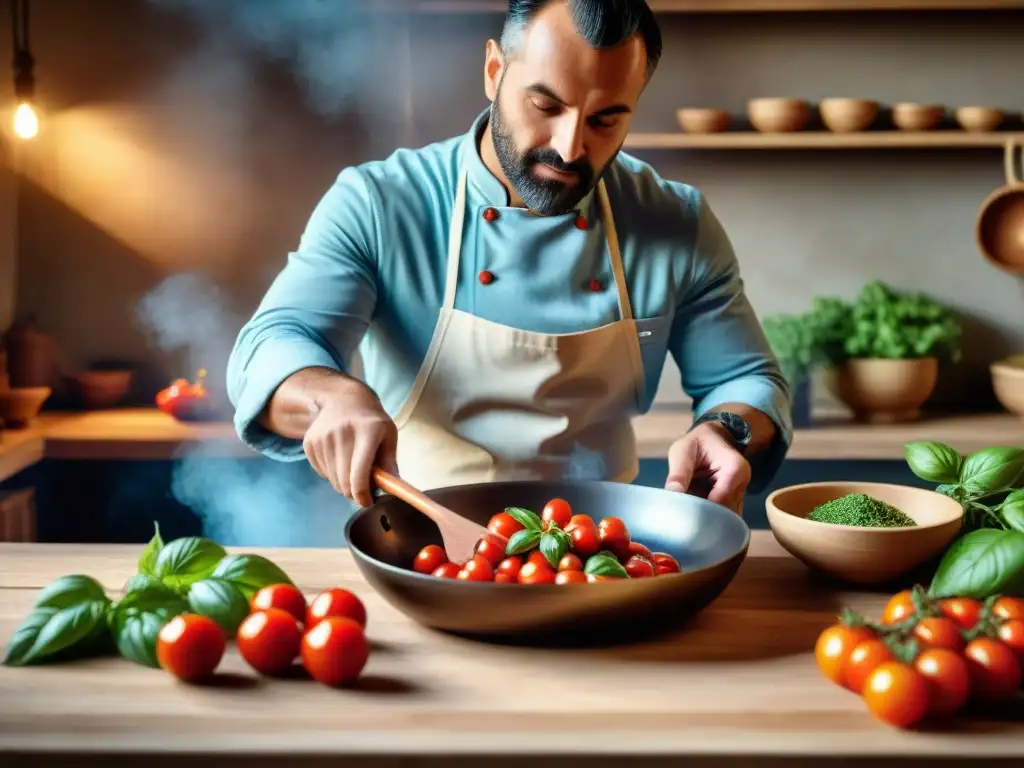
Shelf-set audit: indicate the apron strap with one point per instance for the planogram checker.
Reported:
(455, 242)
(625, 308)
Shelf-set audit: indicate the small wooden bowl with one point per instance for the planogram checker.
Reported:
(101, 388)
(1008, 383)
(980, 119)
(843, 115)
(778, 114)
(702, 120)
(916, 117)
(863, 555)
(20, 405)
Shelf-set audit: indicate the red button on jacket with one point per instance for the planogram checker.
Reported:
(490, 214)
(486, 277)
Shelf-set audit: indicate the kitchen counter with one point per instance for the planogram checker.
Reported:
(739, 687)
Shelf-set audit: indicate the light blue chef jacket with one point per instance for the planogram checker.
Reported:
(369, 274)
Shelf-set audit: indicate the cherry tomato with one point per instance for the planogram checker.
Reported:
(476, 569)
(896, 694)
(509, 566)
(284, 596)
(586, 540)
(593, 577)
(557, 511)
(948, 680)
(504, 525)
(834, 646)
(994, 670)
(962, 610)
(491, 548)
(614, 536)
(429, 559)
(1012, 635)
(335, 651)
(636, 548)
(1008, 608)
(664, 563)
(570, 562)
(537, 557)
(570, 577)
(899, 607)
(336, 602)
(533, 572)
(639, 567)
(581, 520)
(939, 632)
(447, 571)
(269, 640)
(862, 661)
(190, 646)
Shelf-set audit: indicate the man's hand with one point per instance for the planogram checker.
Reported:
(704, 463)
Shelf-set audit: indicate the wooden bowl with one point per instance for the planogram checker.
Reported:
(778, 114)
(101, 389)
(1008, 383)
(843, 115)
(883, 391)
(863, 555)
(20, 405)
(979, 119)
(916, 117)
(701, 120)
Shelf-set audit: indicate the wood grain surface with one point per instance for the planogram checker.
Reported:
(737, 686)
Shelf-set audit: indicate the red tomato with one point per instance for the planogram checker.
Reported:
(491, 548)
(639, 567)
(592, 578)
(283, 596)
(570, 577)
(504, 578)
(580, 520)
(538, 558)
(269, 640)
(636, 548)
(190, 646)
(834, 646)
(666, 564)
(534, 573)
(447, 571)
(896, 694)
(336, 602)
(570, 562)
(1008, 608)
(429, 559)
(863, 660)
(504, 524)
(939, 632)
(994, 670)
(510, 566)
(335, 651)
(586, 540)
(557, 511)
(899, 607)
(948, 680)
(962, 610)
(1012, 635)
(614, 536)
(476, 569)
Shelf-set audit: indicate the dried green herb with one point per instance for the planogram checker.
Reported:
(861, 510)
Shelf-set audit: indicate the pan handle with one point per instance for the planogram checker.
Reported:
(1011, 164)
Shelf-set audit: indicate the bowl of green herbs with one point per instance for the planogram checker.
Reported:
(863, 533)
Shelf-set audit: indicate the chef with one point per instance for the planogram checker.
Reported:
(514, 293)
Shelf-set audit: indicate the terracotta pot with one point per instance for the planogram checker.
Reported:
(881, 390)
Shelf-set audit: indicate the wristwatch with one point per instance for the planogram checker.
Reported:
(736, 427)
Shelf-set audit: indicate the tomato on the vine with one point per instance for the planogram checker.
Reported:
(614, 536)
(964, 611)
(1012, 635)
(939, 632)
(534, 572)
(896, 694)
(949, 682)
(994, 670)
(1008, 608)
(899, 607)
(284, 596)
(862, 661)
(335, 651)
(190, 646)
(834, 646)
(429, 559)
(476, 568)
(504, 525)
(557, 511)
(336, 602)
(491, 548)
(269, 640)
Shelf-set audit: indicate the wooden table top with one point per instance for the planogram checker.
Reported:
(738, 687)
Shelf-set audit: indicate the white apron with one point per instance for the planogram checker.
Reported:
(492, 402)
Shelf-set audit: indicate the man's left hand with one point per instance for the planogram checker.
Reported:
(704, 463)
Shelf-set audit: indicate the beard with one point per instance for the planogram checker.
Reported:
(548, 197)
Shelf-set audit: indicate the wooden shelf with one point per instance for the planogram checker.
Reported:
(822, 140)
(742, 6)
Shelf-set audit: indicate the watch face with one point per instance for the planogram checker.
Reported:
(737, 426)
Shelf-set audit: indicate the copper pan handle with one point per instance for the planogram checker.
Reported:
(1011, 164)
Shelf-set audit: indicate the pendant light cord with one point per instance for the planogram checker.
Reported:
(19, 25)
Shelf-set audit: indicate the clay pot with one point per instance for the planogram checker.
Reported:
(843, 115)
(31, 356)
(700, 120)
(1008, 383)
(778, 115)
(883, 391)
(19, 406)
(916, 117)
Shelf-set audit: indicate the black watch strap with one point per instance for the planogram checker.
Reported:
(735, 426)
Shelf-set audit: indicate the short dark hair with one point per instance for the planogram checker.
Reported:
(602, 23)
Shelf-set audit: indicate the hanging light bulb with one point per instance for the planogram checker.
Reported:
(26, 122)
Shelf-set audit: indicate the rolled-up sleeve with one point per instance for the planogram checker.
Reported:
(315, 312)
(720, 347)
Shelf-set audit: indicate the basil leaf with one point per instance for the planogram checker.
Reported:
(250, 573)
(992, 469)
(605, 565)
(932, 461)
(147, 561)
(949, 489)
(187, 560)
(522, 541)
(48, 632)
(221, 601)
(526, 518)
(553, 547)
(980, 564)
(68, 591)
(1013, 510)
(140, 581)
(138, 618)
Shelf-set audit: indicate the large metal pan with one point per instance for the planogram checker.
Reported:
(710, 542)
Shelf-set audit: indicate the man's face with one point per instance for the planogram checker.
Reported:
(561, 109)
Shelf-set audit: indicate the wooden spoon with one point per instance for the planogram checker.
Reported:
(459, 534)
